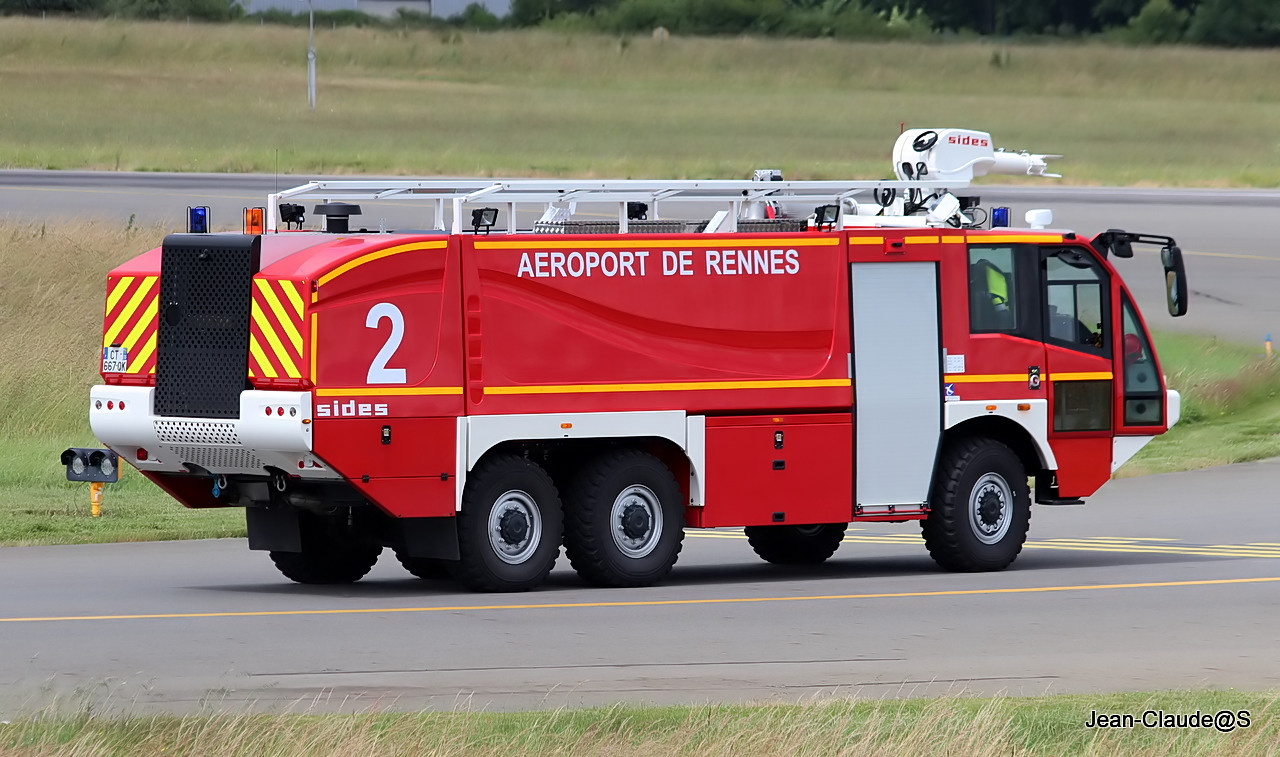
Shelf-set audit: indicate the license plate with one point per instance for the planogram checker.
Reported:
(115, 359)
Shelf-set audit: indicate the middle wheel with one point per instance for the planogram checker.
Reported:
(624, 520)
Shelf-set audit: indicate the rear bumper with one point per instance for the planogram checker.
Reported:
(247, 445)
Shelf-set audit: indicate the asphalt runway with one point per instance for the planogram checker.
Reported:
(1159, 582)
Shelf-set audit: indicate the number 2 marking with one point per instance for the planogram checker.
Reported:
(379, 373)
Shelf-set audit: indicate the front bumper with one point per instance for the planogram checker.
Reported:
(123, 418)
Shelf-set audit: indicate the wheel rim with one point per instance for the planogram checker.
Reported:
(636, 521)
(990, 504)
(515, 527)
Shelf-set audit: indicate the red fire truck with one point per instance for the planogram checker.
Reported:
(601, 365)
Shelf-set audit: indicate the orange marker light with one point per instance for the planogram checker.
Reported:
(1024, 405)
(253, 220)
(566, 425)
(991, 408)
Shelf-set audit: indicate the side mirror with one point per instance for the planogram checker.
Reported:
(1175, 280)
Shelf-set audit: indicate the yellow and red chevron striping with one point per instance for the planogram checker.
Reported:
(275, 332)
(130, 320)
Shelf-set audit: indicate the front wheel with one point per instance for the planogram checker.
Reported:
(510, 526)
(981, 507)
(796, 545)
(625, 520)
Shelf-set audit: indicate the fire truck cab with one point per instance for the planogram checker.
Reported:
(599, 365)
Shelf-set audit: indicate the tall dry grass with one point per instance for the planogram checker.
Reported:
(844, 728)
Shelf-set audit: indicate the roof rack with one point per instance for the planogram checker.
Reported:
(930, 163)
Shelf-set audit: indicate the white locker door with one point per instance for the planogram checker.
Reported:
(897, 382)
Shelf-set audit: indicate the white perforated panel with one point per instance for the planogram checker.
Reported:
(197, 432)
(216, 459)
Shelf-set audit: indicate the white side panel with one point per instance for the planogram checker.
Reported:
(696, 449)
(460, 462)
(1125, 447)
(486, 431)
(1035, 420)
(897, 380)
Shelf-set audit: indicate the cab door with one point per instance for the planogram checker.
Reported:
(1077, 317)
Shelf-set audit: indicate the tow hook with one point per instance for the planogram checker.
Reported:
(280, 481)
(219, 486)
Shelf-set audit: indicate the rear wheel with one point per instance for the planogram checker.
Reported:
(796, 545)
(333, 551)
(510, 526)
(426, 568)
(624, 520)
(980, 507)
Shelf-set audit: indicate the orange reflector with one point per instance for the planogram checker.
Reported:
(306, 420)
(777, 420)
(253, 220)
(1024, 405)
(566, 425)
(991, 407)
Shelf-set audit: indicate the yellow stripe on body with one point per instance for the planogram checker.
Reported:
(335, 273)
(314, 318)
(291, 291)
(148, 347)
(866, 240)
(1001, 378)
(145, 320)
(255, 349)
(143, 291)
(988, 378)
(683, 386)
(1027, 238)
(626, 243)
(285, 319)
(921, 240)
(360, 391)
(277, 347)
(117, 291)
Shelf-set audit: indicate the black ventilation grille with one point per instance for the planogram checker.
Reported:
(202, 360)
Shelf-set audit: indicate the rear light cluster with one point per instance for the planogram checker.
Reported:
(110, 405)
(280, 411)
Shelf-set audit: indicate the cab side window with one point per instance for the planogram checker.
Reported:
(1143, 395)
(1075, 301)
(993, 290)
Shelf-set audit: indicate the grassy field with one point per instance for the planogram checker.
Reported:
(157, 96)
(52, 321)
(853, 728)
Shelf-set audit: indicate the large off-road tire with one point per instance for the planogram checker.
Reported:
(796, 545)
(510, 526)
(333, 552)
(426, 568)
(624, 520)
(980, 507)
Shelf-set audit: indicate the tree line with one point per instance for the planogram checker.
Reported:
(1208, 22)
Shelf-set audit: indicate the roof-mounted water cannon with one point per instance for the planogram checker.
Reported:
(960, 155)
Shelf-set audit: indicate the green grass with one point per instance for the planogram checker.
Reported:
(1230, 406)
(162, 96)
(53, 321)
(952, 726)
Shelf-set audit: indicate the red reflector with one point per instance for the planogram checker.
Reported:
(122, 404)
(268, 411)
(301, 464)
(111, 405)
(280, 411)
(142, 454)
